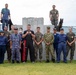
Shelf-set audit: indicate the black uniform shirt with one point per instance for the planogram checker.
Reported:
(28, 37)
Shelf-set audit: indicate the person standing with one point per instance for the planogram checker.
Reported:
(15, 45)
(55, 41)
(21, 50)
(29, 36)
(7, 34)
(5, 16)
(49, 40)
(62, 41)
(54, 15)
(38, 44)
(71, 43)
(3, 42)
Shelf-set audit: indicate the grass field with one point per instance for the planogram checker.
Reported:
(38, 68)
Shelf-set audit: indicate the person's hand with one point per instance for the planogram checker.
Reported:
(30, 33)
(47, 43)
(20, 47)
(27, 33)
(38, 43)
(69, 44)
(10, 47)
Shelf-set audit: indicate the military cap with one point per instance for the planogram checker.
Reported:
(48, 27)
(15, 28)
(61, 29)
(54, 29)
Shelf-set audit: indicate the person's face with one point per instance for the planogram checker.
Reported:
(53, 6)
(5, 28)
(2, 34)
(48, 30)
(54, 31)
(28, 27)
(62, 31)
(70, 29)
(38, 29)
(12, 27)
(15, 31)
(6, 5)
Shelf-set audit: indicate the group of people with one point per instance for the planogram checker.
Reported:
(17, 44)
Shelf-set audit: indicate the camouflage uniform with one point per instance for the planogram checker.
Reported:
(11, 31)
(38, 38)
(72, 47)
(7, 34)
(54, 19)
(48, 37)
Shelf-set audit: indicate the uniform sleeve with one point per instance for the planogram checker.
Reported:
(42, 35)
(24, 32)
(32, 32)
(74, 35)
(58, 37)
(2, 11)
(66, 37)
(44, 38)
(6, 40)
(20, 38)
(57, 12)
(50, 12)
(11, 38)
(8, 12)
(52, 41)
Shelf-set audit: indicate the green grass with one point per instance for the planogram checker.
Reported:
(38, 68)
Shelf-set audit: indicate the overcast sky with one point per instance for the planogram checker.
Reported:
(41, 8)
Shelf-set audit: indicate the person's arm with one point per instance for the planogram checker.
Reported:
(73, 40)
(6, 40)
(25, 34)
(10, 41)
(52, 41)
(50, 15)
(41, 39)
(44, 39)
(57, 14)
(9, 14)
(1, 13)
(20, 38)
(32, 34)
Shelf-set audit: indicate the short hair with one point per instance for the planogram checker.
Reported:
(21, 28)
(38, 27)
(6, 4)
(54, 5)
(28, 25)
(70, 27)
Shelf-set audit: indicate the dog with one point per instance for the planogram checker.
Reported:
(60, 25)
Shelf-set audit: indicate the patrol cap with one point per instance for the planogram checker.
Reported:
(15, 28)
(54, 29)
(61, 29)
(48, 27)
(1, 31)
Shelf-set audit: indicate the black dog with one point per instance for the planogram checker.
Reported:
(60, 25)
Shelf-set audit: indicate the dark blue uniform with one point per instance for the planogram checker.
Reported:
(56, 44)
(62, 38)
(3, 42)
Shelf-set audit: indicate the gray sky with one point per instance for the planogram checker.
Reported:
(41, 8)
